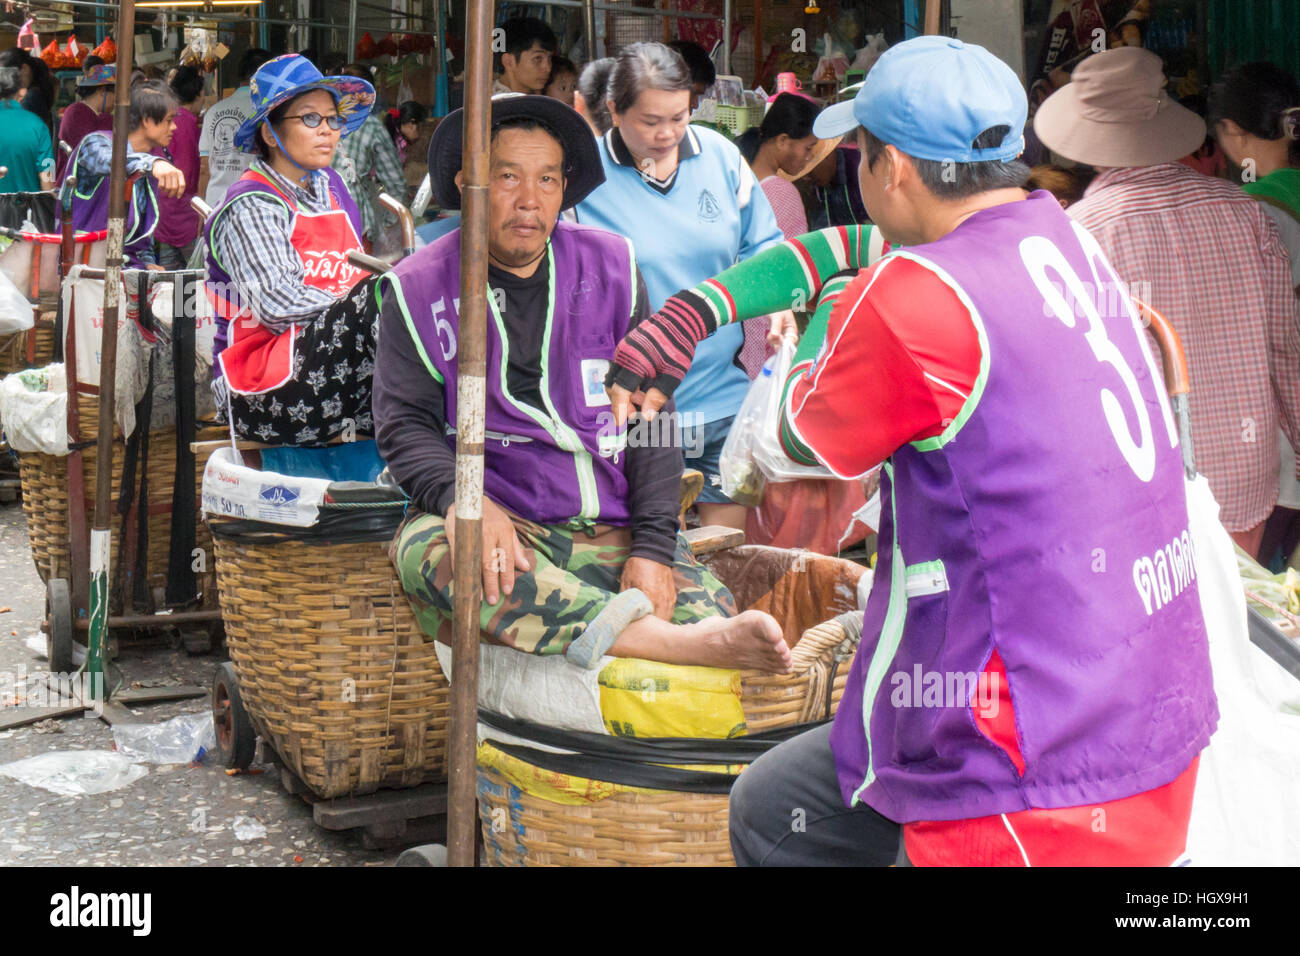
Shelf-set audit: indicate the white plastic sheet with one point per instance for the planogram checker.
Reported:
(1248, 786)
(16, 313)
(74, 773)
(180, 740)
(34, 410)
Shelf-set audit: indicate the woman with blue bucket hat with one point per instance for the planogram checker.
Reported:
(1033, 683)
(295, 340)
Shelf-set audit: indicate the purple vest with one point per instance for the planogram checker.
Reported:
(218, 278)
(90, 200)
(1048, 521)
(561, 465)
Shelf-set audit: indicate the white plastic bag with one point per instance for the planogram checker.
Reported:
(34, 410)
(180, 740)
(1248, 784)
(771, 460)
(16, 313)
(73, 773)
(742, 480)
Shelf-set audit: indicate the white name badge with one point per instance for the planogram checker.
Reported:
(593, 381)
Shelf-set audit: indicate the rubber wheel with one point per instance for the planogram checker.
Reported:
(236, 740)
(431, 854)
(58, 625)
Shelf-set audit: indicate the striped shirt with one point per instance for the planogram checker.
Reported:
(369, 155)
(251, 240)
(1205, 256)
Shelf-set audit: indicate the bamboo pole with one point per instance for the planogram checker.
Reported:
(932, 10)
(471, 370)
(99, 531)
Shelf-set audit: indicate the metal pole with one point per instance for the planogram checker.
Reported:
(352, 28)
(99, 531)
(589, 27)
(726, 38)
(471, 371)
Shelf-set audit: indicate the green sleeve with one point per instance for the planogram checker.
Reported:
(786, 276)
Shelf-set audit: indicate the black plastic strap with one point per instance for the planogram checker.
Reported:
(629, 774)
(344, 526)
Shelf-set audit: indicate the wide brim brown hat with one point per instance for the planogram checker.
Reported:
(823, 149)
(1115, 112)
(583, 170)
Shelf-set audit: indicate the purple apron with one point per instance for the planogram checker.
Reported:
(1048, 521)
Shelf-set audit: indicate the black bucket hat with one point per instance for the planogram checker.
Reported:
(583, 170)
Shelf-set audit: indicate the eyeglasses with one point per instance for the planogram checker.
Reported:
(312, 120)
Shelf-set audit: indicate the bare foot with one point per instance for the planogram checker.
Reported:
(750, 641)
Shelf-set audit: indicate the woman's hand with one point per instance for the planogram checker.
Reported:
(170, 179)
(782, 326)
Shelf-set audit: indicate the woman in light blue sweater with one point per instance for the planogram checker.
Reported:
(692, 207)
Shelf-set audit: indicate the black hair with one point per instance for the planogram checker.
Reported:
(789, 114)
(561, 65)
(1259, 97)
(92, 60)
(645, 66)
(275, 118)
(520, 35)
(593, 84)
(11, 82)
(187, 84)
(42, 79)
(950, 180)
(408, 112)
(697, 61)
(151, 100)
(252, 61)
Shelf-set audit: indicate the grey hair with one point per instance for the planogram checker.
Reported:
(645, 66)
(593, 84)
(10, 82)
(951, 180)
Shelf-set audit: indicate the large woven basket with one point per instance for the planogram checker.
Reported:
(31, 349)
(662, 828)
(331, 664)
(45, 503)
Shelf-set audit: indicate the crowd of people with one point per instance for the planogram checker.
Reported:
(642, 267)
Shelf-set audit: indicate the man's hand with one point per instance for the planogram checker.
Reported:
(653, 358)
(655, 580)
(170, 179)
(503, 553)
(781, 325)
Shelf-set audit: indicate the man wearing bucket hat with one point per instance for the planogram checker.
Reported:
(295, 340)
(1201, 253)
(93, 110)
(580, 547)
(1006, 689)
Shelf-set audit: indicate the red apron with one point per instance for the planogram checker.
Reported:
(257, 360)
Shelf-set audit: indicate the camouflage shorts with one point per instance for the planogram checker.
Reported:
(571, 582)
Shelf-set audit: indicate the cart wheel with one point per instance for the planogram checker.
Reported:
(58, 625)
(431, 854)
(236, 740)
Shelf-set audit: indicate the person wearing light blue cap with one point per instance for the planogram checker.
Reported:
(295, 341)
(1033, 652)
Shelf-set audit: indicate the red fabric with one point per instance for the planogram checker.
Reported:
(1204, 255)
(998, 722)
(258, 360)
(813, 513)
(913, 356)
(78, 120)
(1147, 829)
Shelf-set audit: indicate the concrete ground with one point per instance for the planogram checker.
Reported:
(177, 814)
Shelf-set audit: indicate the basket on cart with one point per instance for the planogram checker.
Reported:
(329, 663)
(31, 262)
(536, 812)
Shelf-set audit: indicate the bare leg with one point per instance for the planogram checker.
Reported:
(751, 640)
(732, 516)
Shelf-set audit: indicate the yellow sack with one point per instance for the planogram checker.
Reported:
(649, 699)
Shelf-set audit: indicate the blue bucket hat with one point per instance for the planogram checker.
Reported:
(932, 97)
(103, 75)
(281, 79)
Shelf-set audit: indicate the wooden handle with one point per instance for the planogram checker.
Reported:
(1172, 356)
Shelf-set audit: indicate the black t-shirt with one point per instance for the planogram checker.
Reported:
(522, 303)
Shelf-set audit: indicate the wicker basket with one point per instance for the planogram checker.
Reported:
(662, 828)
(331, 664)
(45, 503)
(31, 349)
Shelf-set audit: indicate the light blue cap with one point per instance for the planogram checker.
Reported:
(932, 97)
